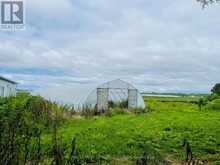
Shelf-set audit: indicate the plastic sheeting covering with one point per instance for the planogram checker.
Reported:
(117, 91)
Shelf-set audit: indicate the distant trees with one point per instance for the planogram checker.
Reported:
(216, 89)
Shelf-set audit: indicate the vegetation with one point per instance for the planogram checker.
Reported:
(23, 120)
(172, 129)
(118, 104)
(207, 2)
(216, 89)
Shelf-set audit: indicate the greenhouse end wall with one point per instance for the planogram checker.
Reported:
(116, 90)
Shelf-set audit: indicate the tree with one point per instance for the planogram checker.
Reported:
(216, 89)
(207, 2)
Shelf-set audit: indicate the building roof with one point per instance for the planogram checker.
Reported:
(5, 79)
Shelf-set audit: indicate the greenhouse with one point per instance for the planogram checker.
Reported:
(115, 92)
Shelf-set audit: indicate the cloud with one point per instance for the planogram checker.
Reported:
(49, 9)
(76, 45)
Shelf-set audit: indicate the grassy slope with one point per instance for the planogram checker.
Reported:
(162, 129)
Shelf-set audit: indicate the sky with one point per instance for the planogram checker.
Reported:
(70, 46)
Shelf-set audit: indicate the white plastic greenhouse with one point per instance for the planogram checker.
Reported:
(114, 91)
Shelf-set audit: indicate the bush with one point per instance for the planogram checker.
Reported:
(213, 105)
(213, 97)
(23, 119)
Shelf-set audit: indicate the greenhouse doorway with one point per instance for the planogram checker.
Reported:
(114, 94)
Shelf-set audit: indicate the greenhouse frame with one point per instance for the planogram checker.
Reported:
(114, 91)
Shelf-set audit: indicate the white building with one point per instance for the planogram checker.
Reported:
(7, 87)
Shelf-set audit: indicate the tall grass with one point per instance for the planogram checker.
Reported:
(37, 131)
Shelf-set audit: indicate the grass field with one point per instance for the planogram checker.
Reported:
(124, 137)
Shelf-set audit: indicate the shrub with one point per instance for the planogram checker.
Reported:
(213, 105)
(213, 97)
(201, 102)
(23, 119)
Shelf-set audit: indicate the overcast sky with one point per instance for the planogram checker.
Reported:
(70, 46)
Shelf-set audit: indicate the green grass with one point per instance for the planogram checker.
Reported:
(161, 130)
